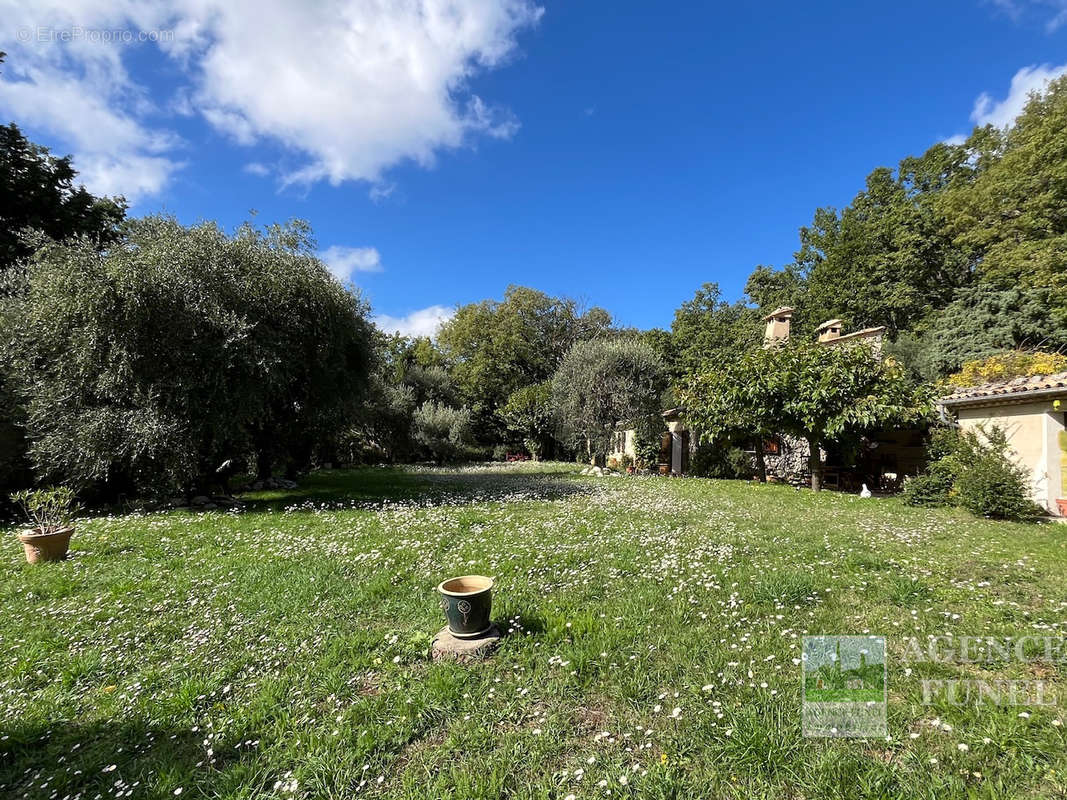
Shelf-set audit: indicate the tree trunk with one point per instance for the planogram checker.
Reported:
(264, 459)
(761, 463)
(815, 464)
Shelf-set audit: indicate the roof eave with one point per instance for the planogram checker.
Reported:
(1004, 397)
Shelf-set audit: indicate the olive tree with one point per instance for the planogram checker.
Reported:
(143, 367)
(602, 382)
(445, 432)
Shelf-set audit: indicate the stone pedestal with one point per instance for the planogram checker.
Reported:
(445, 645)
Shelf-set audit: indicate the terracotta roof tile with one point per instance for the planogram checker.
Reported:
(1011, 388)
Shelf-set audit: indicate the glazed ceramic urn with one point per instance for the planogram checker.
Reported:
(467, 603)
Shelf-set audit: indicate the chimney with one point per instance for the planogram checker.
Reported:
(777, 326)
(829, 330)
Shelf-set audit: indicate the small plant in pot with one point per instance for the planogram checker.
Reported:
(50, 513)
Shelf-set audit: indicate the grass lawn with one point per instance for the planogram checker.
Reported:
(654, 639)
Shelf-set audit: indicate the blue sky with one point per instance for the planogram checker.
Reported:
(621, 153)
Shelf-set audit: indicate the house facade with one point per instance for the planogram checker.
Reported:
(1031, 412)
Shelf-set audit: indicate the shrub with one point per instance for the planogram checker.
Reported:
(445, 432)
(934, 488)
(1005, 366)
(648, 430)
(718, 460)
(989, 483)
(973, 470)
(47, 510)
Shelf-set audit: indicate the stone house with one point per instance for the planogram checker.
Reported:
(1031, 413)
(886, 456)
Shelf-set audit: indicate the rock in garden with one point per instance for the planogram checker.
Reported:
(446, 646)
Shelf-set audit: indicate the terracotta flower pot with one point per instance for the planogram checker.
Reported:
(1062, 503)
(46, 545)
(467, 602)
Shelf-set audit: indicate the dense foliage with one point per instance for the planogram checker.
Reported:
(604, 382)
(821, 394)
(960, 252)
(974, 470)
(707, 327)
(38, 197)
(529, 414)
(145, 367)
(494, 348)
(444, 431)
(37, 193)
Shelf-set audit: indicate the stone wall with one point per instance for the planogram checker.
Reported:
(790, 464)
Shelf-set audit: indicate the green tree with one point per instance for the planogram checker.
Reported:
(707, 327)
(528, 413)
(1011, 219)
(889, 247)
(768, 288)
(142, 368)
(495, 347)
(445, 432)
(733, 399)
(981, 321)
(603, 382)
(37, 193)
(821, 394)
(38, 197)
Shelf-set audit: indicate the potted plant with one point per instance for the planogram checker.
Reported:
(467, 602)
(49, 511)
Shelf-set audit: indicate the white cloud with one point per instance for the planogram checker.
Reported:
(93, 110)
(1000, 114)
(423, 322)
(257, 169)
(345, 261)
(354, 87)
(1003, 113)
(1016, 9)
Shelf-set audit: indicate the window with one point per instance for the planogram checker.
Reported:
(772, 447)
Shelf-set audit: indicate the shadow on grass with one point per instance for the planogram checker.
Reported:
(377, 487)
(67, 758)
(519, 623)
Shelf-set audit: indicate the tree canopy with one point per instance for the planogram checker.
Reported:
(495, 348)
(960, 252)
(38, 193)
(821, 394)
(708, 328)
(604, 382)
(144, 367)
